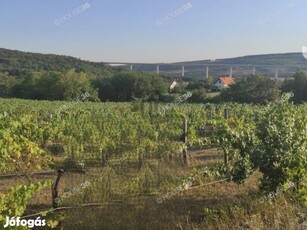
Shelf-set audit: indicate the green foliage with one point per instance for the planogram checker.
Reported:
(19, 154)
(200, 84)
(253, 89)
(20, 64)
(71, 164)
(51, 77)
(126, 85)
(180, 88)
(273, 142)
(254, 137)
(13, 203)
(283, 148)
(208, 83)
(6, 84)
(198, 96)
(49, 87)
(74, 84)
(195, 85)
(298, 86)
(168, 98)
(55, 86)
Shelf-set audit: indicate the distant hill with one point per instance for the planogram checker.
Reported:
(286, 59)
(287, 64)
(18, 63)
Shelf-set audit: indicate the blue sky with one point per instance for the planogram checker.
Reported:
(131, 31)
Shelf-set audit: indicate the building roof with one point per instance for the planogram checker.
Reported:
(226, 80)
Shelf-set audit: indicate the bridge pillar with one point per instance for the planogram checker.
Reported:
(276, 73)
(182, 71)
(158, 69)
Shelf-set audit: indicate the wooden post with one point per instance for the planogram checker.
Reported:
(104, 156)
(225, 157)
(54, 189)
(185, 138)
(210, 114)
(55, 196)
(140, 163)
(226, 114)
(185, 130)
(217, 111)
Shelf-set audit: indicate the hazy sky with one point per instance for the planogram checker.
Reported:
(153, 30)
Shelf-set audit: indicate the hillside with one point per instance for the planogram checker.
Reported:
(266, 64)
(18, 63)
(286, 59)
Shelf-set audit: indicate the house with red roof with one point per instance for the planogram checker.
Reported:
(224, 82)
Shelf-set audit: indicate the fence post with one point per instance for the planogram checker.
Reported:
(55, 196)
(225, 157)
(217, 111)
(210, 114)
(140, 161)
(104, 156)
(185, 138)
(226, 116)
(54, 189)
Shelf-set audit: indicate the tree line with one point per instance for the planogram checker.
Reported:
(121, 86)
(257, 89)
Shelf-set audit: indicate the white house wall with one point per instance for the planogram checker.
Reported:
(219, 84)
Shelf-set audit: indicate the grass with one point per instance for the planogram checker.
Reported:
(214, 94)
(129, 193)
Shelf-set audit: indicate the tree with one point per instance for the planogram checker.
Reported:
(48, 86)
(298, 86)
(6, 84)
(149, 87)
(198, 96)
(273, 143)
(74, 84)
(20, 64)
(194, 85)
(27, 88)
(253, 89)
(55, 86)
(209, 82)
(124, 86)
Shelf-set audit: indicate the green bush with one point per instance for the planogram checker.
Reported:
(198, 96)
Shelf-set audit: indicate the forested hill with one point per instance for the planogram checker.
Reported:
(18, 63)
(295, 60)
(266, 64)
